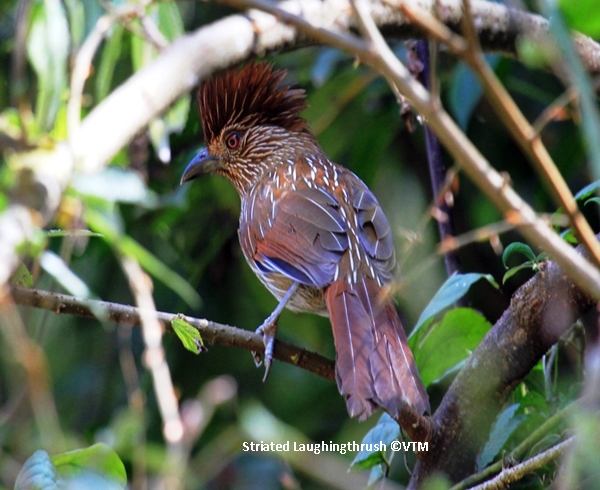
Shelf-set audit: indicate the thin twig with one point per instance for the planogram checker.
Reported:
(82, 70)
(156, 363)
(510, 114)
(211, 332)
(511, 475)
(517, 454)
(31, 357)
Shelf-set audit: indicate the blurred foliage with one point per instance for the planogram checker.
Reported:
(186, 238)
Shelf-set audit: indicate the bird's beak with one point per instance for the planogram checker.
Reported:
(202, 163)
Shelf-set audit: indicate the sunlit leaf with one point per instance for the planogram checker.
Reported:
(455, 287)
(110, 55)
(48, 50)
(115, 185)
(98, 458)
(190, 337)
(456, 336)
(96, 467)
(582, 15)
(57, 268)
(22, 277)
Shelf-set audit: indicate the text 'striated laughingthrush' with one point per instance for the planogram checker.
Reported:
(311, 231)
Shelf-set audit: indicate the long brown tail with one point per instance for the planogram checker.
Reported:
(374, 365)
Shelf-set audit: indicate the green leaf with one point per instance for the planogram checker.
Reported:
(48, 50)
(465, 91)
(455, 287)
(386, 430)
(448, 343)
(513, 270)
(595, 200)
(578, 75)
(518, 247)
(587, 191)
(582, 15)
(190, 337)
(22, 277)
(505, 425)
(99, 458)
(115, 185)
(96, 467)
(108, 60)
(57, 268)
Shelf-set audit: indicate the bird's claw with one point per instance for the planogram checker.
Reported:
(267, 331)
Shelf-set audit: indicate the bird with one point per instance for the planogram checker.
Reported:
(312, 232)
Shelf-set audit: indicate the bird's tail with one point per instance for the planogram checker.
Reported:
(374, 365)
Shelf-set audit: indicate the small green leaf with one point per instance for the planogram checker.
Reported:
(569, 237)
(99, 458)
(455, 287)
(48, 50)
(22, 277)
(457, 335)
(385, 431)
(595, 200)
(513, 270)
(190, 337)
(518, 247)
(96, 467)
(113, 47)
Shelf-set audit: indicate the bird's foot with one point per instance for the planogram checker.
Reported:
(268, 331)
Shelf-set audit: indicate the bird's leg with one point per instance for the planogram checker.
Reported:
(268, 331)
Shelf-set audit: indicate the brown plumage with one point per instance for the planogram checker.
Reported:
(312, 229)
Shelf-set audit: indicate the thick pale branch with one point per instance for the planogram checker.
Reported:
(195, 56)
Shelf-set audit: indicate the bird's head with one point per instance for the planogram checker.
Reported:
(250, 122)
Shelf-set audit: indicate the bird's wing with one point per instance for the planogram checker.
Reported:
(296, 232)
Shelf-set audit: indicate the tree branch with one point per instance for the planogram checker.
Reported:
(540, 312)
(515, 473)
(212, 332)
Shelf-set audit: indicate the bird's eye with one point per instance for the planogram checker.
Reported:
(233, 141)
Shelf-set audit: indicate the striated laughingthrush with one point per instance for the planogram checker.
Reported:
(312, 232)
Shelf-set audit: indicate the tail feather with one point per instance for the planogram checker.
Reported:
(353, 346)
(365, 322)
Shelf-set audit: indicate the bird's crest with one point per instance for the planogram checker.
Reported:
(250, 96)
